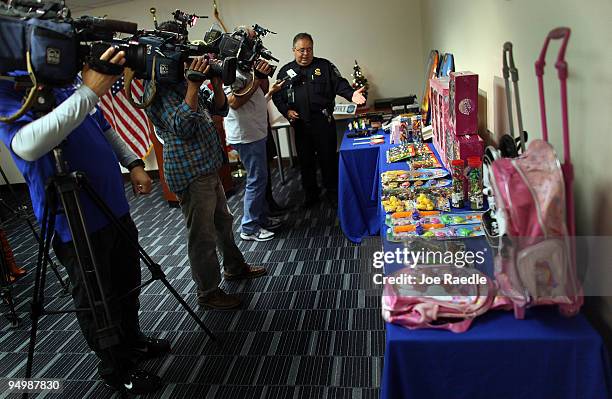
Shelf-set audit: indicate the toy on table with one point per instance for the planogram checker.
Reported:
(433, 217)
(400, 233)
(425, 158)
(417, 132)
(429, 201)
(412, 175)
(437, 183)
(408, 199)
(400, 152)
(394, 203)
(372, 140)
(475, 194)
(457, 199)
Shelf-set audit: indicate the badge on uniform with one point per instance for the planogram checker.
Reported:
(317, 71)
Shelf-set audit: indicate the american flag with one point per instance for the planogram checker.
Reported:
(131, 123)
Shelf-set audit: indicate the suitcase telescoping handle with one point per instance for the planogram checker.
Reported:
(510, 70)
(562, 34)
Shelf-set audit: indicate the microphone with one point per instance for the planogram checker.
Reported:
(109, 25)
(116, 26)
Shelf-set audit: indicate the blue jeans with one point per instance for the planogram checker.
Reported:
(253, 157)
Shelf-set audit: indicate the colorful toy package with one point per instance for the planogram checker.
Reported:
(433, 231)
(402, 199)
(400, 152)
(432, 217)
(425, 158)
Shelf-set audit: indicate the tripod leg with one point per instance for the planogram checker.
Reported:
(185, 305)
(154, 268)
(48, 225)
(49, 260)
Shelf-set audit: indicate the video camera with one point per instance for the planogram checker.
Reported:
(246, 45)
(159, 55)
(43, 39)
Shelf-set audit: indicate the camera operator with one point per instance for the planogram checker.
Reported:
(192, 156)
(91, 146)
(307, 101)
(246, 127)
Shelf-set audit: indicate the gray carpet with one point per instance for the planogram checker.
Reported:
(310, 329)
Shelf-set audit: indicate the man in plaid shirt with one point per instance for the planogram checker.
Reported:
(193, 155)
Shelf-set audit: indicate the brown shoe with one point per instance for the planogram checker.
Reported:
(219, 300)
(248, 273)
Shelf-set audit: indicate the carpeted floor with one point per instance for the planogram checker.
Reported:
(310, 329)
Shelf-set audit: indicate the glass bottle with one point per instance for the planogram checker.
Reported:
(475, 194)
(457, 196)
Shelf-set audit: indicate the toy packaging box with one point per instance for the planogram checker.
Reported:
(463, 93)
(454, 116)
(440, 118)
(462, 147)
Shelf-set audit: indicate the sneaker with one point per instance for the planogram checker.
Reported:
(273, 224)
(137, 382)
(149, 348)
(219, 300)
(261, 235)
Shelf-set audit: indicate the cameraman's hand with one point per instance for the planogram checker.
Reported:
(99, 82)
(276, 86)
(199, 64)
(263, 68)
(141, 182)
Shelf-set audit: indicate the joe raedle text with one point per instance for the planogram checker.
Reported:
(425, 279)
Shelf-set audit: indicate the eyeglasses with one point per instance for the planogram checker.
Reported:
(303, 50)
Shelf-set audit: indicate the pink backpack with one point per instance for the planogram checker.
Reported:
(448, 306)
(533, 209)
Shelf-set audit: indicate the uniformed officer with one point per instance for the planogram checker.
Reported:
(307, 101)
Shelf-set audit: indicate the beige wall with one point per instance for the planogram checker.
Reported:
(376, 34)
(475, 30)
(385, 37)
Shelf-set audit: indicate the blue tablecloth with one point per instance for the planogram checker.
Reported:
(358, 199)
(544, 356)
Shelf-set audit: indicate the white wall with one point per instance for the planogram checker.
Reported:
(475, 30)
(384, 37)
(343, 31)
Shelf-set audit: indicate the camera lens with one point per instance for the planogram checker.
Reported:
(135, 56)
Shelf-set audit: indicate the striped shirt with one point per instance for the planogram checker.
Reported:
(192, 146)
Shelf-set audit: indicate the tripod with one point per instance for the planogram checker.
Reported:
(63, 189)
(20, 212)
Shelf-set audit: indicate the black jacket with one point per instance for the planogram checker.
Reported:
(315, 88)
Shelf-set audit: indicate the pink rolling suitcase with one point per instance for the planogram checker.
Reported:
(536, 263)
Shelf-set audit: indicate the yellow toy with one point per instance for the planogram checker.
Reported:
(423, 202)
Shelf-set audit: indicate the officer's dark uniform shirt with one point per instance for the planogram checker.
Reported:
(315, 88)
